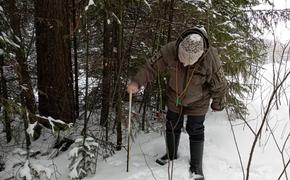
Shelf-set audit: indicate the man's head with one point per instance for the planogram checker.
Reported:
(191, 46)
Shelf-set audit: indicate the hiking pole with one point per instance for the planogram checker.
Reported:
(129, 129)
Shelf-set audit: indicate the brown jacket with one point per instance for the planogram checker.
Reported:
(189, 87)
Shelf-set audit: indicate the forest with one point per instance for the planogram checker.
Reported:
(65, 112)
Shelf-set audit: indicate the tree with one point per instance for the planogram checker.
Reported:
(107, 67)
(55, 87)
(27, 96)
(6, 44)
(76, 69)
(118, 88)
(230, 29)
(4, 95)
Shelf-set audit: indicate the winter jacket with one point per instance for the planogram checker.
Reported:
(190, 87)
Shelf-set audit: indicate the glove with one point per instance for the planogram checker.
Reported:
(217, 105)
(133, 87)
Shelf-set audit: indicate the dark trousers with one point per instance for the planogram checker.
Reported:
(194, 125)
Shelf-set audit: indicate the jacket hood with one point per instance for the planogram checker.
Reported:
(196, 30)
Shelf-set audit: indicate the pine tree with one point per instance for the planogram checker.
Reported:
(53, 60)
(231, 30)
(7, 45)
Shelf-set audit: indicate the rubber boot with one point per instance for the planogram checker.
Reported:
(196, 154)
(172, 142)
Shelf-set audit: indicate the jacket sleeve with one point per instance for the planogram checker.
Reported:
(217, 82)
(148, 72)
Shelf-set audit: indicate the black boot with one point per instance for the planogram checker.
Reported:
(196, 154)
(172, 142)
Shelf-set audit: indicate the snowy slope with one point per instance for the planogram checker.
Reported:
(220, 156)
(221, 160)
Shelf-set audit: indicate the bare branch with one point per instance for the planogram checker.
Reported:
(263, 123)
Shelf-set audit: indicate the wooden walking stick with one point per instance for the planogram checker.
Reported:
(129, 130)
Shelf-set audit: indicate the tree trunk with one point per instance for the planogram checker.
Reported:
(87, 84)
(55, 84)
(170, 20)
(119, 71)
(75, 60)
(146, 100)
(25, 125)
(4, 95)
(107, 70)
(118, 120)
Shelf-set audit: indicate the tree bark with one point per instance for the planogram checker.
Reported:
(75, 60)
(86, 118)
(107, 69)
(55, 84)
(145, 96)
(119, 71)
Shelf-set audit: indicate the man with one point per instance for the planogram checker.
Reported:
(195, 76)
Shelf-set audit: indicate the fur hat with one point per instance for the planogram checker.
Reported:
(190, 49)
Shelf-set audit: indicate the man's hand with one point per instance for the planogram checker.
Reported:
(216, 107)
(132, 87)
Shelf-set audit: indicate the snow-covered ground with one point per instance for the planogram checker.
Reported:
(221, 160)
(220, 157)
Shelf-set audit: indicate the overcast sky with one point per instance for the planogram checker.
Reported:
(283, 29)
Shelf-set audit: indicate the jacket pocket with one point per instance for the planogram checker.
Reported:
(195, 89)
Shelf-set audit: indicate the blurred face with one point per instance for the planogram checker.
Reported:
(190, 49)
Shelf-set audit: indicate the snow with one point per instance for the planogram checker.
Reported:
(195, 1)
(91, 2)
(51, 121)
(28, 171)
(95, 49)
(19, 151)
(221, 160)
(147, 4)
(30, 129)
(195, 176)
(80, 164)
(6, 39)
(115, 50)
(74, 152)
(74, 172)
(24, 87)
(134, 57)
(281, 28)
(89, 143)
(234, 35)
(42, 170)
(148, 147)
(25, 171)
(228, 23)
(116, 18)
